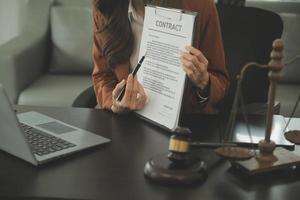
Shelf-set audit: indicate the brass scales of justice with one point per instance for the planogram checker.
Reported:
(268, 157)
(179, 168)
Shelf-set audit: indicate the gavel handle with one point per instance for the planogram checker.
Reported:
(212, 144)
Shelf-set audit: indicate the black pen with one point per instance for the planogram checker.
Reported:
(136, 69)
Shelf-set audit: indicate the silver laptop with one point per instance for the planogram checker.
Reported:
(37, 138)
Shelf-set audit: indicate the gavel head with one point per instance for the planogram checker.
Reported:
(179, 146)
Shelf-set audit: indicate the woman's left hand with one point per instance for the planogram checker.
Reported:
(195, 65)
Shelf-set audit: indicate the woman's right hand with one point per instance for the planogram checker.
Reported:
(134, 97)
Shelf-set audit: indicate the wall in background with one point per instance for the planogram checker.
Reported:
(10, 12)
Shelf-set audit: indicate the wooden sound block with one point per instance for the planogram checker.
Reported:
(161, 169)
(282, 158)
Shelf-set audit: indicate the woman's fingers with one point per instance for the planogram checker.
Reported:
(118, 89)
(124, 104)
(134, 97)
(141, 98)
(198, 54)
(142, 91)
(117, 107)
(135, 90)
(195, 65)
(128, 92)
(188, 67)
(191, 58)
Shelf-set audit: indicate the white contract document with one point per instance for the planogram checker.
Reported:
(166, 33)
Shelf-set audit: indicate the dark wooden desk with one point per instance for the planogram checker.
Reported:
(115, 170)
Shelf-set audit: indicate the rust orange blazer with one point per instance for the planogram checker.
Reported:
(207, 38)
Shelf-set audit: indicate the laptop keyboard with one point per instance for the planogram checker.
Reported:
(43, 143)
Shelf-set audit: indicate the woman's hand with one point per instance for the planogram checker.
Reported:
(134, 97)
(195, 65)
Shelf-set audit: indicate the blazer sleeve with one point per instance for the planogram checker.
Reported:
(104, 79)
(211, 45)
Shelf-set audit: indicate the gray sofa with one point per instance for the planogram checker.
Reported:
(49, 63)
(289, 88)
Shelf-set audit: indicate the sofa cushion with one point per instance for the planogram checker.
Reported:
(71, 33)
(287, 95)
(290, 14)
(291, 73)
(54, 90)
(278, 6)
(81, 3)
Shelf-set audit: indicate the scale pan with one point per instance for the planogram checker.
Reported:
(234, 153)
(293, 136)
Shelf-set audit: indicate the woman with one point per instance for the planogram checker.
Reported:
(117, 34)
